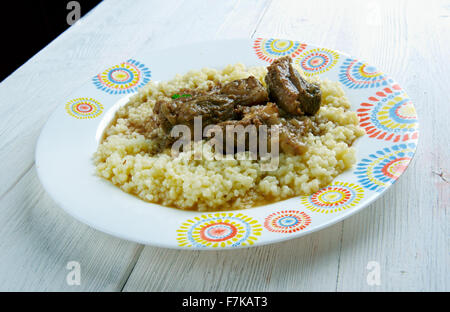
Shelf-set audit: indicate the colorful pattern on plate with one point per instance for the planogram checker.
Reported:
(333, 198)
(219, 230)
(389, 115)
(381, 169)
(270, 49)
(84, 108)
(357, 75)
(317, 61)
(124, 78)
(288, 221)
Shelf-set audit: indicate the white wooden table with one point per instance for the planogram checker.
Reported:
(406, 231)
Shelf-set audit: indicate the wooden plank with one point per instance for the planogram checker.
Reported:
(304, 264)
(112, 32)
(406, 231)
(286, 266)
(86, 48)
(38, 240)
(71, 60)
(387, 231)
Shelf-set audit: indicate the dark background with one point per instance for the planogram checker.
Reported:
(28, 26)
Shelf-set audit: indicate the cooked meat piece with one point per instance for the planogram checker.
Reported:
(238, 103)
(236, 133)
(246, 92)
(262, 114)
(214, 105)
(291, 91)
(160, 119)
(290, 130)
(213, 108)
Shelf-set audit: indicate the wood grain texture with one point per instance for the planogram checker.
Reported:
(305, 264)
(39, 239)
(406, 231)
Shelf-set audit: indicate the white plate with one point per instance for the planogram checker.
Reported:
(71, 136)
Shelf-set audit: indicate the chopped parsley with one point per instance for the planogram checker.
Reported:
(177, 96)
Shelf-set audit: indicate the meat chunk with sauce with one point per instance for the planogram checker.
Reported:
(246, 92)
(290, 130)
(234, 106)
(290, 135)
(290, 90)
(212, 108)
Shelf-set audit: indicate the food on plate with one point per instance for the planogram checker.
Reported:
(290, 90)
(302, 125)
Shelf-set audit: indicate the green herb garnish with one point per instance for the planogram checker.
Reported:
(177, 96)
